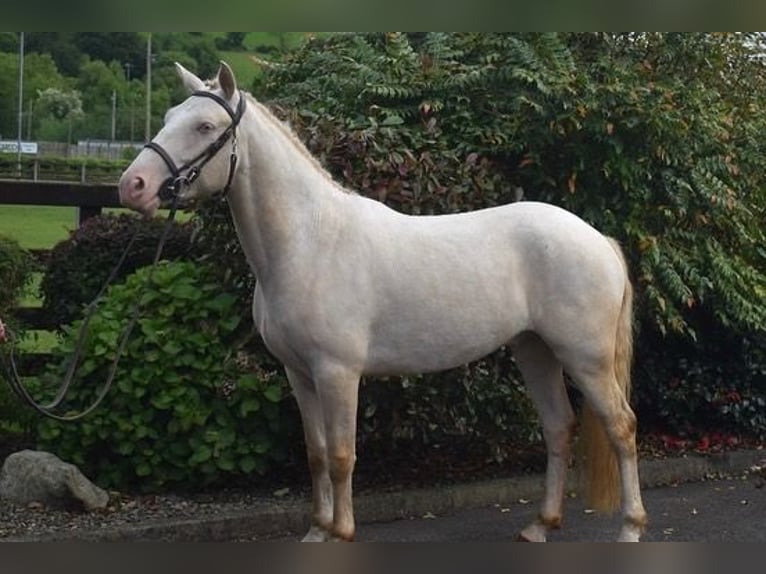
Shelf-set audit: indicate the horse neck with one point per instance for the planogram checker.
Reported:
(281, 196)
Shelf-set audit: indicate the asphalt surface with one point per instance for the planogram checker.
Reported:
(724, 510)
(732, 510)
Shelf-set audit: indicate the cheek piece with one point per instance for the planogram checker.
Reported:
(184, 175)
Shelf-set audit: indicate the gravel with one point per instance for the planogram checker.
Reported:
(36, 521)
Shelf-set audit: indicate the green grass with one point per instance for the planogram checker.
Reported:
(37, 227)
(41, 227)
(242, 63)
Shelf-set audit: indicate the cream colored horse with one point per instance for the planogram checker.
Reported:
(348, 287)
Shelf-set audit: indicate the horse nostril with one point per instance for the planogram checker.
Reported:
(138, 183)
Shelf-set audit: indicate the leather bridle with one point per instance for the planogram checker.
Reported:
(186, 174)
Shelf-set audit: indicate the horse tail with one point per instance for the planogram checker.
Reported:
(602, 476)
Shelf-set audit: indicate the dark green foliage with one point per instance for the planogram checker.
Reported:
(80, 265)
(61, 45)
(482, 405)
(16, 268)
(199, 48)
(717, 385)
(125, 48)
(231, 41)
(216, 243)
(187, 408)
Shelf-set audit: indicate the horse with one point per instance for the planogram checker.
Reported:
(347, 287)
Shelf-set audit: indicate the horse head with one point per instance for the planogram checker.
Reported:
(184, 159)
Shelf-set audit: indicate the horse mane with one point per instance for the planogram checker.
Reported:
(285, 129)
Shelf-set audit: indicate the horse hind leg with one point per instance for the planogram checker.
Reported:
(316, 450)
(609, 431)
(543, 376)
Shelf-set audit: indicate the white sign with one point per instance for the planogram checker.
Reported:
(12, 146)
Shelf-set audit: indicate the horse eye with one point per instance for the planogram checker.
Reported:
(205, 127)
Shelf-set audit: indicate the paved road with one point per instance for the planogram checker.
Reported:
(727, 510)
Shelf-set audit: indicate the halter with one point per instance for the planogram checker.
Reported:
(178, 179)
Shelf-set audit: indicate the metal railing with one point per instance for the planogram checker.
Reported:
(56, 170)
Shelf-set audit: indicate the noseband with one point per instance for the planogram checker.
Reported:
(192, 168)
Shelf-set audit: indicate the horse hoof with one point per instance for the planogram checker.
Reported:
(316, 534)
(533, 533)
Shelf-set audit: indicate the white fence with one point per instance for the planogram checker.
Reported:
(100, 149)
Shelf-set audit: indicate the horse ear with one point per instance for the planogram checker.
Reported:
(226, 80)
(191, 82)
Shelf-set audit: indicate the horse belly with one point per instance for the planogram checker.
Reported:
(444, 331)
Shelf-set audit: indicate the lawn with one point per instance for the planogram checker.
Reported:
(37, 227)
(41, 227)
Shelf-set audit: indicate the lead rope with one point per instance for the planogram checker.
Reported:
(46, 410)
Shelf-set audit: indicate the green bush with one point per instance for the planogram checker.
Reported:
(16, 269)
(482, 404)
(692, 389)
(186, 408)
(79, 266)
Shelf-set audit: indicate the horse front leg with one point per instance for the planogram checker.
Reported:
(543, 376)
(339, 394)
(316, 450)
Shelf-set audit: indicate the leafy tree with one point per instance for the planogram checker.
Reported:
(121, 47)
(201, 49)
(60, 104)
(59, 45)
(231, 41)
(39, 73)
(9, 41)
(64, 106)
(609, 126)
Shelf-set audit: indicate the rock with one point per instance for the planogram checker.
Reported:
(41, 477)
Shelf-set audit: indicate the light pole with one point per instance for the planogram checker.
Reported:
(148, 134)
(114, 113)
(128, 65)
(21, 100)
